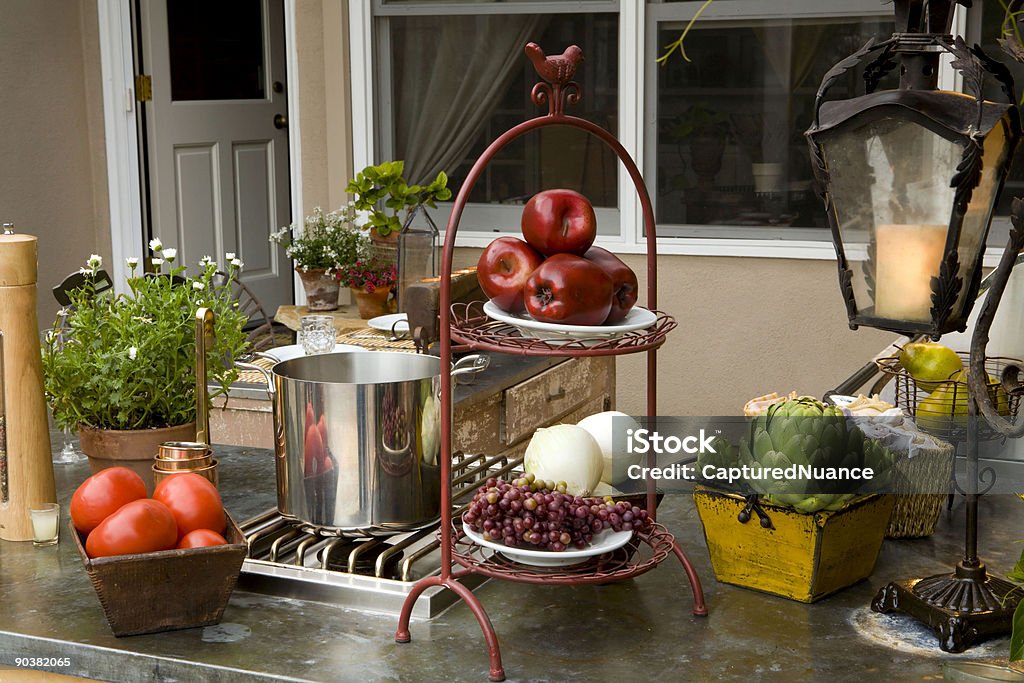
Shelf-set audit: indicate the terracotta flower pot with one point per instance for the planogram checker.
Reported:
(321, 289)
(132, 448)
(372, 304)
(385, 248)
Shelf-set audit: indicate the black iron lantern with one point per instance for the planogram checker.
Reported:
(914, 174)
(910, 177)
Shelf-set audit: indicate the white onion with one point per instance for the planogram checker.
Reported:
(565, 453)
(600, 427)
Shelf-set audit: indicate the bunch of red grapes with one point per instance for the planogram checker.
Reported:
(533, 513)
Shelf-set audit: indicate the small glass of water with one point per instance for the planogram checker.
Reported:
(317, 334)
(45, 523)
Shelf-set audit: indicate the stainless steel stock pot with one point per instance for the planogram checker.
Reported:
(357, 438)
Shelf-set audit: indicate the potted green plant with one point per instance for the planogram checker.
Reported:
(780, 531)
(371, 279)
(318, 247)
(388, 198)
(120, 368)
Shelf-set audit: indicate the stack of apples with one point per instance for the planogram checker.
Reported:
(557, 275)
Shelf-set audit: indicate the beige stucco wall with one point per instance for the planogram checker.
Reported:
(747, 326)
(52, 162)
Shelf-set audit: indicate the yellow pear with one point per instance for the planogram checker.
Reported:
(946, 406)
(930, 363)
(938, 412)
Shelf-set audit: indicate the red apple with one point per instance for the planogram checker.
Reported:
(503, 269)
(569, 290)
(624, 282)
(559, 222)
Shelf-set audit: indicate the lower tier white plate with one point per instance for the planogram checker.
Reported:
(604, 542)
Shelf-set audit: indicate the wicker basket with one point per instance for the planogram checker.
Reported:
(916, 514)
(945, 418)
(166, 590)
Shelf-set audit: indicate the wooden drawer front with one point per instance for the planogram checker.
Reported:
(540, 400)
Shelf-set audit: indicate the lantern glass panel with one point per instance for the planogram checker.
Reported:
(417, 257)
(890, 181)
(976, 221)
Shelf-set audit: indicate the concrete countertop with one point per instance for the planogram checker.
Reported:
(637, 630)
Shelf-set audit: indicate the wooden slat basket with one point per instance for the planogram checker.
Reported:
(165, 590)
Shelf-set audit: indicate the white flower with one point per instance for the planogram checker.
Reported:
(85, 271)
(94, 262)
(132, 261)
(156, 261)
(132, 352)
(198, 286)
(205, 261)
(237, 262)
(64, 312)
(230, 255)
(155, 244)
(170, 254)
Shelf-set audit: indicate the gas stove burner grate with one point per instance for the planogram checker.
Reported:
(373, 573)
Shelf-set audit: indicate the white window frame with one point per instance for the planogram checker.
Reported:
(637, 67)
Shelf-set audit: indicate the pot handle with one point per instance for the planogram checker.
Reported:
(267, 375)
(470, 365)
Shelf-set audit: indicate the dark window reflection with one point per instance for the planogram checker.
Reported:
(730, 146)
(216, 49)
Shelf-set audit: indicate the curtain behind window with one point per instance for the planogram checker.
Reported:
(449, 75)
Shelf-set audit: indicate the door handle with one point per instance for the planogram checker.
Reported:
(280, 121)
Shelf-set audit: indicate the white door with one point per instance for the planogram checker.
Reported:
(216, 132)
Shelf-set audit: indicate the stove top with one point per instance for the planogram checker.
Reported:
(373, 574)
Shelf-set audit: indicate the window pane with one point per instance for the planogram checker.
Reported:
(458, 82)
(730, 145)
(216, 50)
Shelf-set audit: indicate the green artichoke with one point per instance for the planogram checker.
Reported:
(804, 431)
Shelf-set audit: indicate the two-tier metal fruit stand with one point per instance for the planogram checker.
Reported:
(472, 330)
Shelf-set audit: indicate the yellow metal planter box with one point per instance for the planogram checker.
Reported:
(805, 557)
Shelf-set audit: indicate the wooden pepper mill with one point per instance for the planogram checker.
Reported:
(26, 465)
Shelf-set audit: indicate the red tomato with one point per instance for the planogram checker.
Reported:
(193, 500)
(200, 538)
(102, 494)
(141, 526)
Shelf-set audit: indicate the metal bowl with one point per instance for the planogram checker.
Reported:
(175, 450)
(209, 472)
(182, 464)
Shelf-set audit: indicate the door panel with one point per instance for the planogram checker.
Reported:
(255, 209)
(218, 168)
(197, 205)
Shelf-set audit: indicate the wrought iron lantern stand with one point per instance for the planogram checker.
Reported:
(915, 173)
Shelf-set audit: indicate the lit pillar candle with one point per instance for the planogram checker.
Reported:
(906, 258)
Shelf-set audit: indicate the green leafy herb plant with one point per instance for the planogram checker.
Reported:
(388, 198)
(127, 361)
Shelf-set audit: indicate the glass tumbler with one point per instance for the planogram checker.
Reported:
(318, 334)
(45, 523)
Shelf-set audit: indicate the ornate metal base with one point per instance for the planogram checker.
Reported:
(962, 608)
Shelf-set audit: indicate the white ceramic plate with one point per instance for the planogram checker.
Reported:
(638, 318)
(604, 542)
(282, 353)
(399, 321)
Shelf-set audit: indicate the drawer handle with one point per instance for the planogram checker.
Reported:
(557, 396)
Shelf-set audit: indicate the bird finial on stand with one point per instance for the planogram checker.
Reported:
(557, 72)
